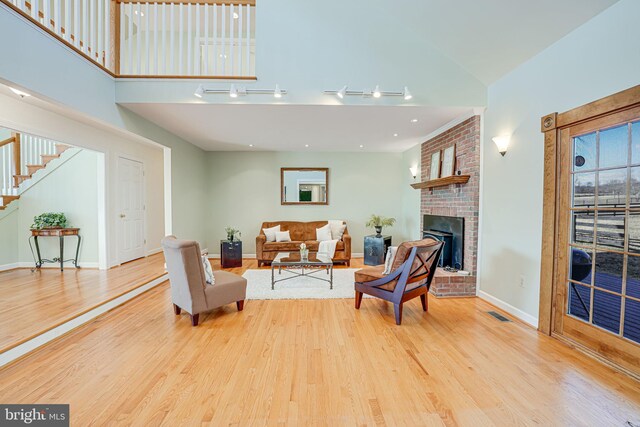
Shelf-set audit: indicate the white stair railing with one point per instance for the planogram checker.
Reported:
(7, 170)
(32, 148)
(85, 24)
(187, 39)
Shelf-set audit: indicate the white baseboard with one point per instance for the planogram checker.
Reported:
(28, 346)
(9, 266)
(67, 265)
(525, 317)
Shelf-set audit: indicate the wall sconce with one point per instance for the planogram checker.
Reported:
(414, 171)
(235, 91)
(502, 142)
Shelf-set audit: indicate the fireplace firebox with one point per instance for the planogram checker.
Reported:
(450, 230)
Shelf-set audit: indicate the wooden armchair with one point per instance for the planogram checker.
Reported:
(411, 275)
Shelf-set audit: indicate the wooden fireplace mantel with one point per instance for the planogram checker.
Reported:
(442, 182)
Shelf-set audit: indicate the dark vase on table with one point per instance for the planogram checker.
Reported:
(378, 230)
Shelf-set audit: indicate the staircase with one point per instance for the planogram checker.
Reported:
(21, 156)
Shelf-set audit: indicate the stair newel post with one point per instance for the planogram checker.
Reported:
(17, 161)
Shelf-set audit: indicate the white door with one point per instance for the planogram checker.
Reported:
(131, 227)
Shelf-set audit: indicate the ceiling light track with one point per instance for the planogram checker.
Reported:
(367, 93)
(236, 91)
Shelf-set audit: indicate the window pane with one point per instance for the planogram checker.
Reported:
(635, 142)
(632, 320)
(609, 271)
(610, 230)
(614, 147)
(583, 228)
(612, 188)
(579, 301)
(633, 277)
(634, 188)
(606, 310)
(634, 232)
(584, 189)
(584, 152)
(580, 266)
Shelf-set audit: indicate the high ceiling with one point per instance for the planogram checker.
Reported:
(491, 37)
(291, 127)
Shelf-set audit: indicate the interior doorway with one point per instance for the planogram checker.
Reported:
(131, 210)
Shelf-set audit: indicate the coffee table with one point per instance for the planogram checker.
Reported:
(291, 263)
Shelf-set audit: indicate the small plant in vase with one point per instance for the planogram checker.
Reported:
(304, 251)
(49, 220)
(377, 222)
(232, 233)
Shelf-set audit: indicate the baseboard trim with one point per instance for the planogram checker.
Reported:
(525, 317)
(23, 349)
(11, 266)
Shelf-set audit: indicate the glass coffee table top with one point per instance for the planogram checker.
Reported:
(316, 265)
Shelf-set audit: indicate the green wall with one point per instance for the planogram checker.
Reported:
(244, 191)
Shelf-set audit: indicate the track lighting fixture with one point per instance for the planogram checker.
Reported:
(366, 93)
(237, 91)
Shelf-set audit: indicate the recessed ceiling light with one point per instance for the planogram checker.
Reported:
(361, 146)
(250, 145)
(395, 134)
(19, 92)
(414, 120)
(306, 145)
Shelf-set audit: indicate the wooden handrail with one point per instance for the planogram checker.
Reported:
(7, 141)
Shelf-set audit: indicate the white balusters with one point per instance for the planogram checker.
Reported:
(187, 39)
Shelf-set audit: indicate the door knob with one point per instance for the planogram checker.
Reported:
(122, 215)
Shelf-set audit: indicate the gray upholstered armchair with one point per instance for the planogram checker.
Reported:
(189, 290)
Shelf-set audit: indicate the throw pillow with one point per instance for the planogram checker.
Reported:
(271, 233)
(337, 228)
(283, 236)
(323, 233)
(208, 271)
(388, 262)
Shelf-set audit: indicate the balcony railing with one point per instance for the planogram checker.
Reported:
(171, 39)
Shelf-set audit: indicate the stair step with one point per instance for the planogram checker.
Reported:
(34, 168)
(19, 179)
(46, 158)
(61, 148)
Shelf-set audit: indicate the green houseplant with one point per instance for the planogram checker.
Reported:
(49, 220)
(377, 222)
(232, 233)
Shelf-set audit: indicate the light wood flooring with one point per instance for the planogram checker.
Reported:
(318, 362)
(33, 303)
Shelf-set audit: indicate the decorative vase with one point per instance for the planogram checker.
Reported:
(304, 254)
(378, 230)
(230, 237)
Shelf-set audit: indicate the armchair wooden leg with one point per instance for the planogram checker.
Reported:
(424, 299)
(194, 319)
(348, 263)
(240, 305)
(358, 299)
(176, 309)
(397, 308)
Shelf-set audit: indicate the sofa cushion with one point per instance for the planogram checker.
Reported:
(300, 231)
(281, 246)
(313, 245)
(283, 236)
(369, 274)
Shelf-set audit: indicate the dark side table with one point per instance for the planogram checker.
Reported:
(60, 233)
(231, 253)
(375, 249)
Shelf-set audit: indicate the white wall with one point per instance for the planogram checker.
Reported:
(29, 118)
(9, 237)
(410, 220)
(599, 58)
(245, 191)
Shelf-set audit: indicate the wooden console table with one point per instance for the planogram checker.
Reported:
(60, 233)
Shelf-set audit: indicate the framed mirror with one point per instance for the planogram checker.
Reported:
(304, 186)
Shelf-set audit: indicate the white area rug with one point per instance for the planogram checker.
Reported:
(259, 285)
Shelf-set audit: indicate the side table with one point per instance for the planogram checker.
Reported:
(375, 249)
(231, 253)
(60, 233)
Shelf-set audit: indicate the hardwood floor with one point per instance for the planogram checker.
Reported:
(318, 362)
(33, 303)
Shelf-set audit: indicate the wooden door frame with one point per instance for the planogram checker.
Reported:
(551, 126)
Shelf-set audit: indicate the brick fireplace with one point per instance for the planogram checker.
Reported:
(456, 200)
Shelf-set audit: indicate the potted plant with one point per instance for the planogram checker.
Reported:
(49, 220)
(377, 222)
(231, 233)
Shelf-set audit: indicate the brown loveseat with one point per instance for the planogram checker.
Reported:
(301, 232)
